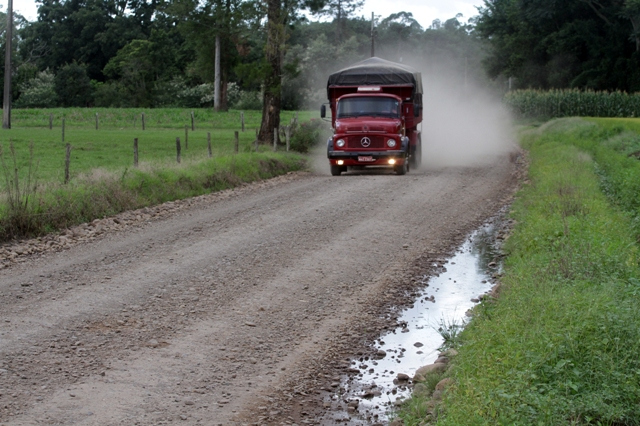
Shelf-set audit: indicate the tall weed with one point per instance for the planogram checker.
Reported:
(19, 193)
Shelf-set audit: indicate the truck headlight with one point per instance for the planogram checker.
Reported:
(391, 143)
(340, 143)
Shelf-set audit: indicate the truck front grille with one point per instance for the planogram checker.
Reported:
(355, 142)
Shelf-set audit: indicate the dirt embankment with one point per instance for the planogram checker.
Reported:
(234, 308)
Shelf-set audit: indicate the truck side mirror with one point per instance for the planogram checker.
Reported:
(323, 111)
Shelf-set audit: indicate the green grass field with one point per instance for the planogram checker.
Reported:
(34, 198)
(561, 344)
(111, 146)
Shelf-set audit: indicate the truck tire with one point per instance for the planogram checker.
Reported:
(336, 170)
(416, 158)
(403, 169)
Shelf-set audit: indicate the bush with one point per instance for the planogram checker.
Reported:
(307, 135)
(39, 92)
(243, 100)
(178, 94)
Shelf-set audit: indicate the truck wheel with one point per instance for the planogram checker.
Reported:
(403, 169)
(336, 170)
(416, 158)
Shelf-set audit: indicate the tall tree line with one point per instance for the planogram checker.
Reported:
(587, 44)
(150, 53)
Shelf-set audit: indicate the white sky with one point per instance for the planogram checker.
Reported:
(424, 11)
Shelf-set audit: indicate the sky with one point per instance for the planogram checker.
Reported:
(424, 11)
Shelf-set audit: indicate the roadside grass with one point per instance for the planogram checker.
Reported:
(34, 199)
(561, 344)
(102, 193)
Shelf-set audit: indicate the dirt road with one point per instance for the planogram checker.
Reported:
(236, 308)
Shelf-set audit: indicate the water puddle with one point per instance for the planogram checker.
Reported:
(370, 395)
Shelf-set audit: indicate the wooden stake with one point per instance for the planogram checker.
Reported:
(135, 152)
(242, 119)
(50, 121)
(186, 137)
(209, 144)
(96, 121)
(287, 133)
(237, 142)
(275, 139)
(142, 121)
(193, 123)
(67, 162)
(178, 149)
(63, 129)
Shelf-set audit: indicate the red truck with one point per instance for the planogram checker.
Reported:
(376, 106)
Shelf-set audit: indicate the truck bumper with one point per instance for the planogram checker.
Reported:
(368, 158)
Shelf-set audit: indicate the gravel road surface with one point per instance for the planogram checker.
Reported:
(234, 308)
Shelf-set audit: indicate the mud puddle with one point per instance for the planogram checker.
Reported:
(370, 396)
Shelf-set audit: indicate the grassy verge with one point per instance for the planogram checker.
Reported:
(103, 193)
(34, 199)
(561, 344)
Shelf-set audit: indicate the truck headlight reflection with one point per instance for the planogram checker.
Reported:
(340, 143)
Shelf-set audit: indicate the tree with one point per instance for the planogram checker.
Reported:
(340, 10)
(73, 86)
(574, 43)
(280, 13)
(133, 66)
(86, 31)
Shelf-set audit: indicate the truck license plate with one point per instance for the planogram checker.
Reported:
(364, 159)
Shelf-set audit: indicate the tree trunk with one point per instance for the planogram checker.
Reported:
(6, 102)
(271, 99)
(635, 23)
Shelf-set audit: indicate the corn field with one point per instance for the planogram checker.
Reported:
(570, 103)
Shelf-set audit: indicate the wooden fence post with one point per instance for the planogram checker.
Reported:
(193, 123)
(186, 137)
(178, 149)
(67, 162)
(209, 144)
(287, 133)
(96, 121)
(242, 119)
(237, 142)
(50, 121)
(62, 129)
(142, 121)
(275, 139)
(256, 141)
(135, 152)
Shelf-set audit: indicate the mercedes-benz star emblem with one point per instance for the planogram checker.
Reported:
(365, 142)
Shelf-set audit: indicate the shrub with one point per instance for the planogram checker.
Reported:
(306, 135)
(243, 100)
(39, 92)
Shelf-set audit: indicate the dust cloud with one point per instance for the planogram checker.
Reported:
(463, 123)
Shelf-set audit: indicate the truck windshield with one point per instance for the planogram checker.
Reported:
(368, 106)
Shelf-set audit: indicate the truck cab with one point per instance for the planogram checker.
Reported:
(374, 123)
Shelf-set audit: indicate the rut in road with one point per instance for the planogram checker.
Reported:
(211, 314)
